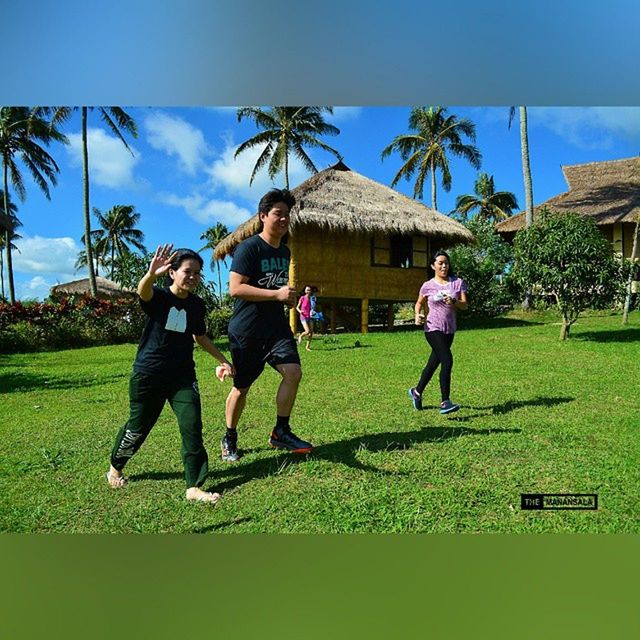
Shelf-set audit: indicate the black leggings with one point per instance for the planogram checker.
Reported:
(440, 344)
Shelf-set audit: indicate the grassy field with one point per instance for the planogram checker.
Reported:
(538, 416)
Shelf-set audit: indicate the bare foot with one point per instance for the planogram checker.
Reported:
(308, 348)
(116, 478)
(196, 494)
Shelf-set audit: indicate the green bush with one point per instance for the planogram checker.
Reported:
(483, 266)
(68, 322)
(218, 320)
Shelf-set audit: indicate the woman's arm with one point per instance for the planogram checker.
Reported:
(212, 350)
(419, 310)
(160, 264)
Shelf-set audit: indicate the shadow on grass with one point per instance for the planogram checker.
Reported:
(19, 381)
(340, 452)
(512, 405)
(339, 347)
(220, 525)
(615, 335)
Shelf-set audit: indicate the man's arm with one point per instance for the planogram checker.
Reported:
(239, 288)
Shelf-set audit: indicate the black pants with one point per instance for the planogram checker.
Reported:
(440, 344)
(147, 396)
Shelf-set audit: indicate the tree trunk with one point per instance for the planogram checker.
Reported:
(7, 237)
(634, 257)
(528, 184)
(286, 171)
(433, 187)
(564, 330)
(87, 218)
(526, 166)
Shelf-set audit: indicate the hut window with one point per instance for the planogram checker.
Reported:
(420, 252)
(381, 250)
(399, 251)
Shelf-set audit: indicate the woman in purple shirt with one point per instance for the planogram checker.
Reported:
(443, 295)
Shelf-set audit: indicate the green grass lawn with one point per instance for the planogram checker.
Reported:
(538, 416)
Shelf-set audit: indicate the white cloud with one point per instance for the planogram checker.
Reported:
(45, 255)
(207, 211)
(233, 173)
(589, 127)
(110, 164)
(177, 137)
(37, 287)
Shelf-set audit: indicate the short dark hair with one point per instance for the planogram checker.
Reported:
(273, 197)
(185, 254)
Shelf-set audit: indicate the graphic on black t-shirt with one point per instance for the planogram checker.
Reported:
(275, 273)
(176, 320)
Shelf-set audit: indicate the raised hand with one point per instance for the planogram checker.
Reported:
(162, 259)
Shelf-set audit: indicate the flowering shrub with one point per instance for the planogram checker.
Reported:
(76, 321)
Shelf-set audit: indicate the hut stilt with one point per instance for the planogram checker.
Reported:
(364, 315)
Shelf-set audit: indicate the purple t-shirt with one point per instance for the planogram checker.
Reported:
(441, 316)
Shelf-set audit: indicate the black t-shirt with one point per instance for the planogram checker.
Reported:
(166, 345)
(266, 268)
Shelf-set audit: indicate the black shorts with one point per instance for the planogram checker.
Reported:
(249, 356)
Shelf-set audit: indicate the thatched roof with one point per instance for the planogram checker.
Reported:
(338, 199)
(607, 191)
(106, 288)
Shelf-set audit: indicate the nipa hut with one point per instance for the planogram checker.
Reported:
(607, 191)
(106, 288)
(358, 241)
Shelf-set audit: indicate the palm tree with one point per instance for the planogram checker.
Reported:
(425, 151)
(491, 204)
(23, 131)
(526, 166)
(8, 222)
(286, 130)
(213, 236)
(117, 233)
(119, 122)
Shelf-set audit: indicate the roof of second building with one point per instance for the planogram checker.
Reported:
(608, 191)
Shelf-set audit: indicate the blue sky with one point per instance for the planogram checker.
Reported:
(182, 177)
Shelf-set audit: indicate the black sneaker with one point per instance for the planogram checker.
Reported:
(229, 448)
(286, 439)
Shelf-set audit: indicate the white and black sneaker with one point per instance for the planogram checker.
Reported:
(229, 448)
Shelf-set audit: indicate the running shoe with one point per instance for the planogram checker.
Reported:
(286, 439)
(416, 399)
(229, 448)
(448, 407)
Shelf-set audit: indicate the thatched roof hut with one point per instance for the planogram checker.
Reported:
(106, 288)
(607, 191)
(343, 201)
(357, 240)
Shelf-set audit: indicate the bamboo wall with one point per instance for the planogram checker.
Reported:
(340, 266)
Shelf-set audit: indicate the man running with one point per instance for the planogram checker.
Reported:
(259, 332)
